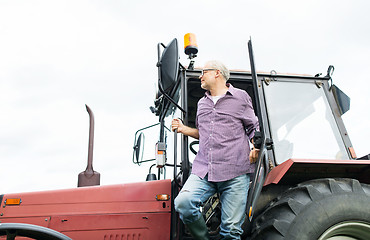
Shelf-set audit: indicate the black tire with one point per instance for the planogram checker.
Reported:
(317, 209)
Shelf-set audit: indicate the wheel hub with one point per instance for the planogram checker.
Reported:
(349, 230)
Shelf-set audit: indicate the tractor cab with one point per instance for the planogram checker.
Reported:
(300, 115)
(302, 135)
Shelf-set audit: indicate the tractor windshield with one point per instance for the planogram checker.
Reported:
(302, 124)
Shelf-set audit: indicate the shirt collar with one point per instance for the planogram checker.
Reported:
(231, 90)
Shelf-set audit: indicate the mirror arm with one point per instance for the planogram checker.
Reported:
(169, 98)
(147, 160)
(159, 50)
(144, 129)
(184, 68)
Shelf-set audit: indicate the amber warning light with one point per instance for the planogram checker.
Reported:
(190, 45)
(190, 48)
(13, 201)
(162, 197)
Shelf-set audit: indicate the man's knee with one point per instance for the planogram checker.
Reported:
(187, 207)
(183, 202)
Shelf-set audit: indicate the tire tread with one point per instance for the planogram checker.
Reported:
(276, 220)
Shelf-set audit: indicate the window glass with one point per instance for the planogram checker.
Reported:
(301, 122)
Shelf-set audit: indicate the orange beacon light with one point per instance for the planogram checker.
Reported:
(190, 45)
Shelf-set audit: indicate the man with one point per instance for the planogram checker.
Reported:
(225, 123)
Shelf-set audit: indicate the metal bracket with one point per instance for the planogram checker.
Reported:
(318, 83)
(271, 165)
(267, 80)
(269, 143)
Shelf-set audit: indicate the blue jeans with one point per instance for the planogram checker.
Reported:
(233, 198)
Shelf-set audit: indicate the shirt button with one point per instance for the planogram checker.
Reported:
(214, 109)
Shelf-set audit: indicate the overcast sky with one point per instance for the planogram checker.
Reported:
(57, 56)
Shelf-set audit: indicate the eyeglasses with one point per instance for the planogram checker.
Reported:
(206, 70)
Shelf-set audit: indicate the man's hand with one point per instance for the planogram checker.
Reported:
(181, 128)
(253, 155)
(177, 124)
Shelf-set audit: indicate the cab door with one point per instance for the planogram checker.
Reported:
(262, 139)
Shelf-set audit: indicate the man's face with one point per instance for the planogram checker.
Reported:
(208, 77)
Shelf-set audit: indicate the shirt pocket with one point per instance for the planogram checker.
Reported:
(228, 123)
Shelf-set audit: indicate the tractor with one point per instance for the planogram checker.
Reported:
(308, 184)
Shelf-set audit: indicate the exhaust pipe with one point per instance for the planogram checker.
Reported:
(89, 177)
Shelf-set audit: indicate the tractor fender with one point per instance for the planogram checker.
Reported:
(294, 171)
(29, 230)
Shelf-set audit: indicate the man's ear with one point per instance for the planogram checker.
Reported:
(218, 73)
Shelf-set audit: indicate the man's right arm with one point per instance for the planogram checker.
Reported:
(181, 128)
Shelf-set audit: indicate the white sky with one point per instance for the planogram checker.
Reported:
(56, 56)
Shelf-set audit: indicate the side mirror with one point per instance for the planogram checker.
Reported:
(139, 142)
(168, 79)
(168, 67)
(139, 148)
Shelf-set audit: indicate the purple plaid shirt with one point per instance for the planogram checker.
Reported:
(225, 129)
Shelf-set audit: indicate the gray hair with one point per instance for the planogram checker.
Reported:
(221, 67)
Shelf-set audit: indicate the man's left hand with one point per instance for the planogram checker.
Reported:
(253, 155)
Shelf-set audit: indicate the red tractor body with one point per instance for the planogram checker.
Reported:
(123, 211)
